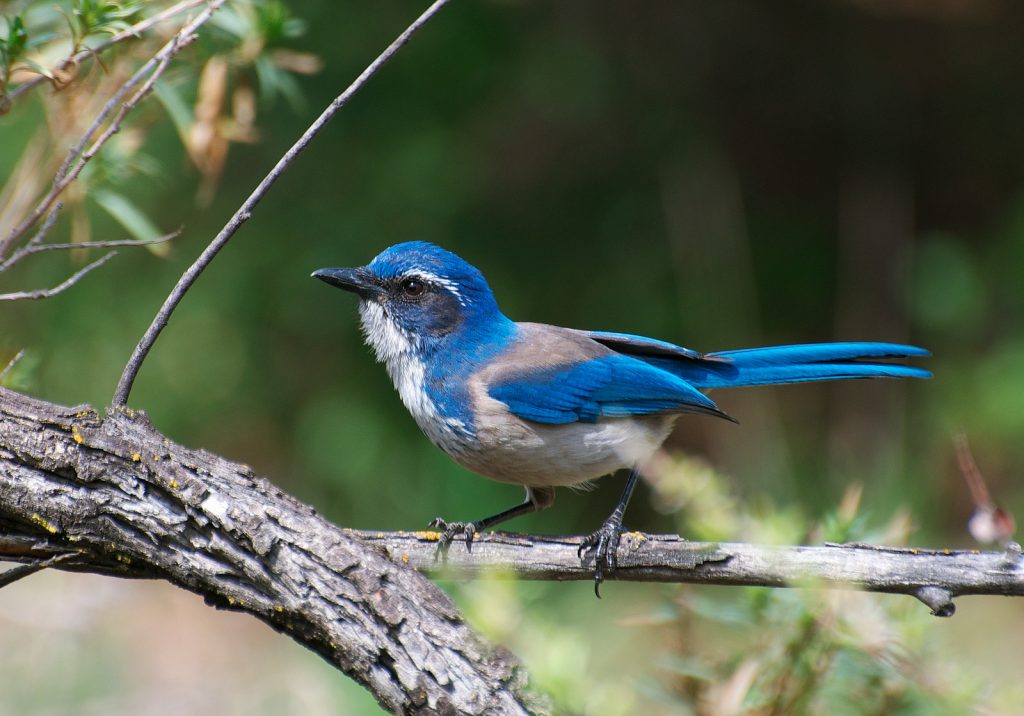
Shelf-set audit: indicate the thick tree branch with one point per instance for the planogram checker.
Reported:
(114, 496)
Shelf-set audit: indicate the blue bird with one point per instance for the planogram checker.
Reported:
(542, 406)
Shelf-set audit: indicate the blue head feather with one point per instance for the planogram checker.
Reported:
(443, 272)
(425, 306)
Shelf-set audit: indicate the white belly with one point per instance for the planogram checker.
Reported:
(508, 449)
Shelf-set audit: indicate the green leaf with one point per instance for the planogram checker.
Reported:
(176, 107)
(44, 71)
(13, 45)
(131, 218)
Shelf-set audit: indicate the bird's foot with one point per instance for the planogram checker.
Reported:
(603, 545)
(449, 530)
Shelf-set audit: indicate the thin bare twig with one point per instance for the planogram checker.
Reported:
(90, 52)
(24, 570)
(32, 247)
(11, 363)
(131, 370)
(78, 157)
(63, 286)
(48, 223)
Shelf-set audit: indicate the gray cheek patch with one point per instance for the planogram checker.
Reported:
(445, 313)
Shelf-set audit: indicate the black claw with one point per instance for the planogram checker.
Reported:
(449, 530)
(604, 545)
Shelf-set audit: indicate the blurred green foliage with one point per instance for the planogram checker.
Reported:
(752, 651)
(720, 174)
(96, 17)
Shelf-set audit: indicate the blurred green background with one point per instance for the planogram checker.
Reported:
(720, 175)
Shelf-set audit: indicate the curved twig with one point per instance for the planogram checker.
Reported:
(131, 370)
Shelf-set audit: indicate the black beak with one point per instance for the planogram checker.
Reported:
(356, 280)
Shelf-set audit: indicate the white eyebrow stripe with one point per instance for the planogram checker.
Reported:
(446, 283)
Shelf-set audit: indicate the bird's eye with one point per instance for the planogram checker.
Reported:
(412, 287)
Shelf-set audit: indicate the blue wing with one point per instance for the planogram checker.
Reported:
(610, 386)
(619, 374)
(641, 345)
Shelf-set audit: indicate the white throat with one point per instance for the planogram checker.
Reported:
(392, 344)
(398, 350)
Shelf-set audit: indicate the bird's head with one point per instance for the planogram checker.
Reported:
(416, 294)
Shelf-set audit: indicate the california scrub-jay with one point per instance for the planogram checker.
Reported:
(543, 406)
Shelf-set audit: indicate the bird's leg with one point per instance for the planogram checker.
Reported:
(604, 544)
(537, 498)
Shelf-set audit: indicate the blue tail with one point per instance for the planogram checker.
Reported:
(792, 364)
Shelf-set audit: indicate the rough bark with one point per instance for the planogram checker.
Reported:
(933, 576)
(112, 495)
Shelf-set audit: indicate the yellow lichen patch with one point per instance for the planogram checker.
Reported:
(427, 535)
(174, 484)
(638, 536)
(231, 601)
(75, 435)
(405, 558)
(123, 558)
(136, 457)
(278, 609)
(44, 524)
